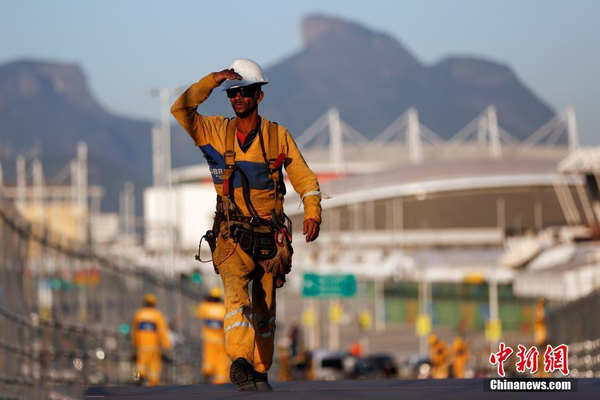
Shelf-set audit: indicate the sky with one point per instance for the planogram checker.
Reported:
(127, 47)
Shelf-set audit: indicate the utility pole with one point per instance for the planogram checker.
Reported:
(336, 141)
(21, 182)
(415, 147)
(127, 213)
(494, 327)
(38, 187)
(164, 94)
(379, 289)
(158, 162)
(82, 190)
(482, 131)
(424, 318)
(494, 134)
(572, 130)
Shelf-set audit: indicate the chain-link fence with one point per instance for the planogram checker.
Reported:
(65, 314)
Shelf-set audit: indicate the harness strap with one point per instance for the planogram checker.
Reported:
(275, 163)
(272, 159)
(229, 158)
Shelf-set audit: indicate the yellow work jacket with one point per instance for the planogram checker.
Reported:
(439, 353)
(208, 133)
(150, 330)
(212, 315)
(460, 351)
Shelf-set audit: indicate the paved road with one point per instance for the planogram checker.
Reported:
(455, 389)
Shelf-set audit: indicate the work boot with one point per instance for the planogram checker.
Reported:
(262, 382)
(242, 374)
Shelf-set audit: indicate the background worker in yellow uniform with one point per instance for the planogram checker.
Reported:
(438, 357)
(539, 323)
(460, 355)
(250, 237)
(215, 362)
(150, 338)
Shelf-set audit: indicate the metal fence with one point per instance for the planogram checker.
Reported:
(576, 321)
(576, 324)
(65, 314)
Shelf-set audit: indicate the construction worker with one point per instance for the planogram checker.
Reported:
(460, 354)
(438, 357)
(539, 323)
(284, 350)
(150, 338)
(215, 363)
(251, 236)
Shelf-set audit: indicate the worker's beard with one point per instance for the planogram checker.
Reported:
(246, 113)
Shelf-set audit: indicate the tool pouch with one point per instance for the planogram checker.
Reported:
(258, 245)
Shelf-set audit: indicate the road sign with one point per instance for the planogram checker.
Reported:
(423, 325)
(315, 285)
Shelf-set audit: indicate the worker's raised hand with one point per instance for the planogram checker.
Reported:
(311, 229)
(221, 76)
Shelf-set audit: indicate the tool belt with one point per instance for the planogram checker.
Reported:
(267, 242)
(258, 245)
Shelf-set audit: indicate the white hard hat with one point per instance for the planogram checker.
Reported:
(250, 71)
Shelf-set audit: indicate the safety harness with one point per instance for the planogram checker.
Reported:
(262, 244)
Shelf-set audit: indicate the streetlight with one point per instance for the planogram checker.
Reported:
(163, 145)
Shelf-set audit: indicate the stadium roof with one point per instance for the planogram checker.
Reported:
(441, 176)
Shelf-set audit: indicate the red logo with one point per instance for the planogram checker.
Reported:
(500, 357)
(528, 359)
(557, 359)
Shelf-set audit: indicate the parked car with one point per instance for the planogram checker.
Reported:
(331, 365)
(415, 367)
(376, 366)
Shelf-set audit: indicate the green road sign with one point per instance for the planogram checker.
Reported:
(315, 285)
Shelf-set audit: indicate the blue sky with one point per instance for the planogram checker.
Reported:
(128, 46)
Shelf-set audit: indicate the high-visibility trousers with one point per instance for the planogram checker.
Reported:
(149, 365)
(458, 367)
(439, 371)
(215, 362)
(249, 325)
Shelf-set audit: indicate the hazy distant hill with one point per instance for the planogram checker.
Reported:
(369, 76)
(47, 108)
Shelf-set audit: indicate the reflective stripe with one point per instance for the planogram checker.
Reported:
(263, 324)
(148, 348)
(237, 310)
(232, 313)
(318, 193)
(239, 324)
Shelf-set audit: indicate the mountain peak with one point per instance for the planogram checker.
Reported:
(29, 79)
(346, 39)
(317, 26)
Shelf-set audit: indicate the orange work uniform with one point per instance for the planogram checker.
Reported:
(460, 355)
(150, 338)
(249, 325)
(215, 362)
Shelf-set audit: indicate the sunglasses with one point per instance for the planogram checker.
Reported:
(245, 91)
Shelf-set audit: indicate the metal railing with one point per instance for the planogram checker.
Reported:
(65, 313)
